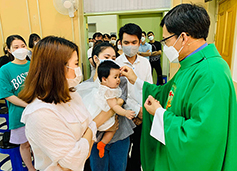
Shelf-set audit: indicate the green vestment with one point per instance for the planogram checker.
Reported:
(200, 123)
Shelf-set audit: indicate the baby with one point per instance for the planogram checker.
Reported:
(106, 97)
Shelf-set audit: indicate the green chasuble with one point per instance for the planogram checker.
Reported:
(200, 121)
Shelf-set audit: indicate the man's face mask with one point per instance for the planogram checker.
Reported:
(171, 53)
(130, 50)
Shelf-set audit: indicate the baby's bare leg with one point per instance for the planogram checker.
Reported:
(108, 135)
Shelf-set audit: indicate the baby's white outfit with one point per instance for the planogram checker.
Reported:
(96, 101)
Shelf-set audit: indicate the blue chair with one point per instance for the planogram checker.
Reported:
(13, 151)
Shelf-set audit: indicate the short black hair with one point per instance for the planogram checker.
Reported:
(97, 34)
(33, 37)
(189, 18)
(9, 41)
(113, 35)
(104, 69)
(144, 33)
(150, 32)
(100, 48)
(107, 35)
(131, 29)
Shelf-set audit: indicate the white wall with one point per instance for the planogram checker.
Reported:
(234, 56)
(94, 6)
(105, 23)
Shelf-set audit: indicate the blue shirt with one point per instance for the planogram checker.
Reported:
(144, 48)
(198, 49)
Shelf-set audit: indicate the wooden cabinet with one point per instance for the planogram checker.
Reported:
(225, 29)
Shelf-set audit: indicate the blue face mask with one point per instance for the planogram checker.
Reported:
(102, 60)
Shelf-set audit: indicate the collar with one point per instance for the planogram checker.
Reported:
(144, 44)
(208, 51)
(125, 60)
(198, 49)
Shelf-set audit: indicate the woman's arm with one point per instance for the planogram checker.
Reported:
(103, 117)
(89, 135)
(16, 101)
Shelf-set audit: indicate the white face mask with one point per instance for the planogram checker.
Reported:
(143, 39)
(130, 51)
(91, 44)
(20, 53)
(113, 42)
(151, 38)
(171, 53)
(119, 47)
(75, 81)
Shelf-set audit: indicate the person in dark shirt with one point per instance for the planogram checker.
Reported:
(7, 57)
(155, 57)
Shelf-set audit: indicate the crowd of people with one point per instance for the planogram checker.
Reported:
(151, 50)
(118, 120)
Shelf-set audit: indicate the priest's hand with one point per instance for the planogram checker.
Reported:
(152, 105)
(129, 73)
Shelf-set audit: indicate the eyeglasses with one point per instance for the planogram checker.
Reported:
(163, 40)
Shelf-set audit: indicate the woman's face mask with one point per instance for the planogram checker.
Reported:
(20, 53)
(75, 81)
(119, 47)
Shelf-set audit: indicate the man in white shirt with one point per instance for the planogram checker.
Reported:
(130, 38)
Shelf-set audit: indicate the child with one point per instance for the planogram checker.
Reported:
(108, 92)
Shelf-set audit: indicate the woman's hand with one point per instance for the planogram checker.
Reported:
(129, 73)
(102, 117)
(152, 105)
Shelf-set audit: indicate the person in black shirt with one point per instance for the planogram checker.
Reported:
(7, 57)
(155, 57)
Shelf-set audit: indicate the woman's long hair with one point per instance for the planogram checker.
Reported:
(46, 79)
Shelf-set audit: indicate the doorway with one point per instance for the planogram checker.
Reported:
(225, 29)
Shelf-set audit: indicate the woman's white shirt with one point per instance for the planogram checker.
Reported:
(55, 133)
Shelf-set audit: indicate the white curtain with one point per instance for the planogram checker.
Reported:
(94, 6)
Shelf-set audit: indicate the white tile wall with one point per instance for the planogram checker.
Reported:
(94, 6)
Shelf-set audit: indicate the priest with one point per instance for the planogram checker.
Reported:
(189, 123)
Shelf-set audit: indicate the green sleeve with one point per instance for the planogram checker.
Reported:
(199, 137)
(148, 143)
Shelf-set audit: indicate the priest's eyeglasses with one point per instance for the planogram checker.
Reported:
(163, 40)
